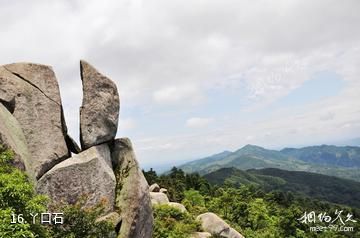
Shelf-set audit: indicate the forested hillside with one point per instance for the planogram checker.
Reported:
(248, 208)
(340, 161)
(317, 186)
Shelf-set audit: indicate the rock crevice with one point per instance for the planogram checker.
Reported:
(103, 169)
(32, 84)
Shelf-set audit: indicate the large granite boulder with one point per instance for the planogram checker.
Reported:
(132, 192)
(158, 198)
(86, 174)
(213, 224)
(99, 112)
(31, 93)
(12, 137)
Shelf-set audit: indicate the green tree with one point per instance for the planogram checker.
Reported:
(151, 176)
(18, 199)
(172, 223)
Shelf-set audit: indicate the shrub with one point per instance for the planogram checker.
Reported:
(81, 222)
(17, 196)
(172, 223)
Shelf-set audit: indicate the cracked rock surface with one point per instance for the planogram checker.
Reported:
(33, 92)
(85, 174)
(12, 137)
(132, 192)
(99, 113)
(103, 171)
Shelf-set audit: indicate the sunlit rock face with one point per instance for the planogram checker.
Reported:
(31, 92)
(99, 113)
(103, 171)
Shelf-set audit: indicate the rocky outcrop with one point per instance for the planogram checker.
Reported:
(99, 112)
(177, 206)
(86, 174)
(132, 192)
(31, 93)
(32, 124)
(154, 188)
(213, 224)
(158, 198)
(12, 137)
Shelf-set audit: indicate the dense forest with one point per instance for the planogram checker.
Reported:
(322, 187)
(248, 208)
(339, 161)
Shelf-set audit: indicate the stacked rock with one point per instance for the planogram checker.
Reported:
(104, 169)
(159, 197)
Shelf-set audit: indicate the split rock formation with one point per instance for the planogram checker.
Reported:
(32, 125)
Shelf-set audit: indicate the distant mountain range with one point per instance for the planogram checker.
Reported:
(322, 187)
(340, 161)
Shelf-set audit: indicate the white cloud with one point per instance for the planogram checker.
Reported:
(196, 122)
(182, 94)
(126, 124)
(173, 53)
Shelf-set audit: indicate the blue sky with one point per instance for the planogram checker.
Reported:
(196, 78)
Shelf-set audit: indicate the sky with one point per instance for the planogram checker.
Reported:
(199, 77)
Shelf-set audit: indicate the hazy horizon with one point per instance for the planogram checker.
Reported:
(196, 79)
(164, 167)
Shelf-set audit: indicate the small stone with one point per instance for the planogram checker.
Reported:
(177, 206)
(213, 224)
(154, 188)
(158, 198)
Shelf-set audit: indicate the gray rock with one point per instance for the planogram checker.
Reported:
(31, 92)
(99, 112)
(213, 224)
(177, 206)
(154, 188)
(12, 137)
(85, 174)
(163, 190)
(158, 198)
(200, 235)
(234, 234)
(132, 192)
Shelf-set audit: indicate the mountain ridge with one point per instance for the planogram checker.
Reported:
(340, 161)
(318, 186)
